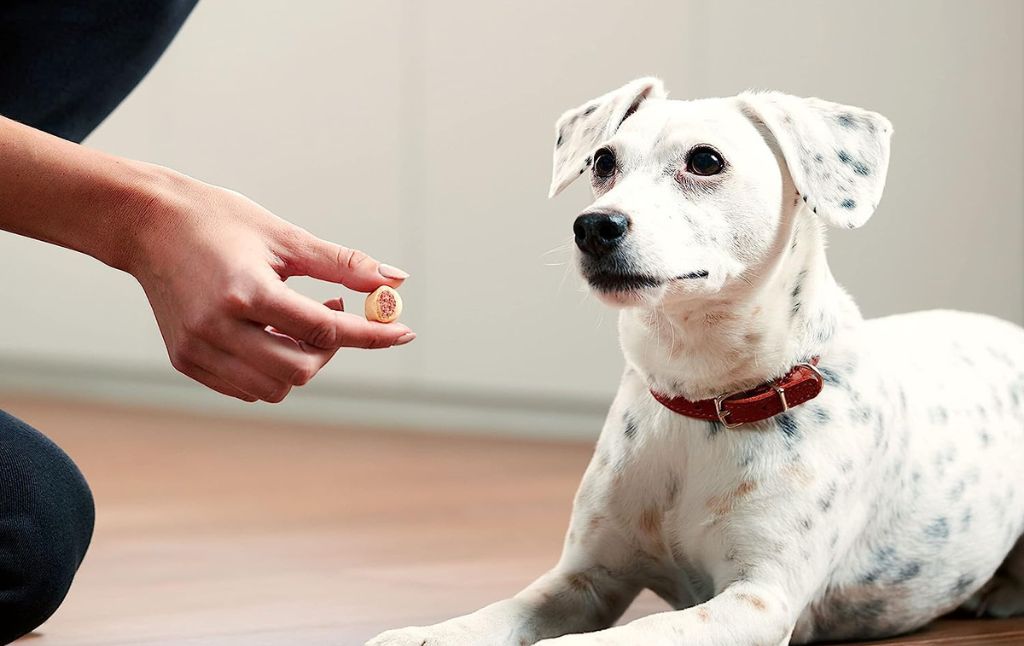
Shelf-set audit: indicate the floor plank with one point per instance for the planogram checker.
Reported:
(220, 531)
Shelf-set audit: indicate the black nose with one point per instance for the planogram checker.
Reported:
(599, 233)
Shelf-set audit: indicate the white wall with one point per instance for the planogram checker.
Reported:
(421, 132)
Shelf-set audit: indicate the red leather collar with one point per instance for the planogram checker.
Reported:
(802, 384)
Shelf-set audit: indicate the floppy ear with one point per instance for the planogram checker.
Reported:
(837, 155)
(578, 131)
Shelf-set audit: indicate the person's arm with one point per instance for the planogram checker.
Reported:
(211, 262)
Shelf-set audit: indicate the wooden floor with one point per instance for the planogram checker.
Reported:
(214, 531)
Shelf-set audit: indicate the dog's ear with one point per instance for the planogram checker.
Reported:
(837, 155)
(578, 131)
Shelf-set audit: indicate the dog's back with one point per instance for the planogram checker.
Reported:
(948, 503)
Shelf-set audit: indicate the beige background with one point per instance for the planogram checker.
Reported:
(421, 132)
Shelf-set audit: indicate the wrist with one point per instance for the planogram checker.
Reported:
(140, 201)
(82, 199)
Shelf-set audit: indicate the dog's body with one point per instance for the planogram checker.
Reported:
(891, 498)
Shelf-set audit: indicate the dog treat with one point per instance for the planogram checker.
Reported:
(384, 305)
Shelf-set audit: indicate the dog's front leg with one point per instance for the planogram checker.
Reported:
(563, 600)
(746, 613)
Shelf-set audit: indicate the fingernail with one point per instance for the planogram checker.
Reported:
(387, 271)
(405, 338)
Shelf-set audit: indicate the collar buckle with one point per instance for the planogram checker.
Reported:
(723, 414)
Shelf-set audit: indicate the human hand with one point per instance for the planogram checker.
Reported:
(213, 265)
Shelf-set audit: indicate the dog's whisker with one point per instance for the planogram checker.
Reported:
(565, 246)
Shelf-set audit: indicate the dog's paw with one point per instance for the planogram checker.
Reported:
(413, 636)
(1001, 597)
(444, 634)
(575, 640)
(620, 636)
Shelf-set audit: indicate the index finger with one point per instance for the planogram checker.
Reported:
(323, 260)
(304, 319)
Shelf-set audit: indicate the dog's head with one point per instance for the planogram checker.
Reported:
(691, 195)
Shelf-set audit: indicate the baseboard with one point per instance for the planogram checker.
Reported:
(334, 401)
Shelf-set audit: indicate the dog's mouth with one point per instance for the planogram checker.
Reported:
(612, 282)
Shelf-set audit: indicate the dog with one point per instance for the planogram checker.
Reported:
(776, 468)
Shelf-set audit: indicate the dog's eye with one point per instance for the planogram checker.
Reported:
(704, 160)
(604, 163)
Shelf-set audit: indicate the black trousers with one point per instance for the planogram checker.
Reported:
(64, 66)
(46, 521)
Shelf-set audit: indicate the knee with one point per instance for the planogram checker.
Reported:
(46, 523)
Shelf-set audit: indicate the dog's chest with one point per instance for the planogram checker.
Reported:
(699, 503)
(673, 484)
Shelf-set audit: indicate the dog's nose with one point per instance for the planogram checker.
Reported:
(599, 233)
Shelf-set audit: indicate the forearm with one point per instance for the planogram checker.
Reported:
(211, 261)
(66, 194)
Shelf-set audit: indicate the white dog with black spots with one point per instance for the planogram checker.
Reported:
(894, 496)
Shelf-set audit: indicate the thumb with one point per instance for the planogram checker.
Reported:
(352, 268)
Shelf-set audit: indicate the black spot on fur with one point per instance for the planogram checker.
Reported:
(819, 158)
(714, 428)
(848, 204)
(826, 500)
(938, 529)
(630, 428)
(846, 120)
(859, 167)
(787, 424)
(908, 571)
(963, 584)
(824, 327)
(589, 111)
(559, 142)
(1000, 356)
(965, 520)
(672, 491)
(795, 294)
(884, 561)
(860, 414)
(820, 415)
(589, 161)
(879, 429)
(831, 376)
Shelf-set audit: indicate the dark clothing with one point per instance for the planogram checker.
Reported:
(46, 521)
(66, 64)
